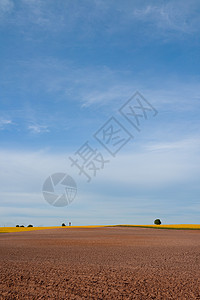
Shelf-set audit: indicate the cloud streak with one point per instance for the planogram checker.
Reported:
(38, 128)
(180, 16)
(4, 123)
(142, 174)
(175, 16)
(6, 6)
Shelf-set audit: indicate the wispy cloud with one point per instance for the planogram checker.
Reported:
(180, 16)
(4, 123)
(99, 84)
(175, 16)
(40, 13)
(167, 19)
(38, 128)
(6, 6)
(137, 179)
(153, 165)
(186, 144)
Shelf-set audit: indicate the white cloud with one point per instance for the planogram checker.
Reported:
(23, 172)
(38, 128)
(189, 144)
(4, 123)
(39, 13)
(103, 85)
(164, 16)
(152, 170)
(153, 165)
(156, 167)
(95, 16)
(6, 6)
(113, 93)
(174, 17)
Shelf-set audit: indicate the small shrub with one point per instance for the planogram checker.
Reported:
(63, 224)
(30, 225)
(157, 222)
(17, 225)
(21, 226)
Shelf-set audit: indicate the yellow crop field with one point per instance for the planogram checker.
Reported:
(22, 229)
(19, 229)
(175, 226)
(172, 226)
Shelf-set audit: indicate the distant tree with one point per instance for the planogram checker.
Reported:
(63, 224)
(17, 225)
(21, 226)
(157, 222)
(30, 225)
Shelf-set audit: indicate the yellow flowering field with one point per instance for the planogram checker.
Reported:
(175, 226)
(172, 226)
(20, 229)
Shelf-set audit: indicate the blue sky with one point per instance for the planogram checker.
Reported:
(66, 68)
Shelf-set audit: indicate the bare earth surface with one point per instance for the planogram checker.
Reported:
(100, 263)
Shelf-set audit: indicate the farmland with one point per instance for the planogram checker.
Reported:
(100, 263)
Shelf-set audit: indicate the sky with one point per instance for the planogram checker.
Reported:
(67, 67)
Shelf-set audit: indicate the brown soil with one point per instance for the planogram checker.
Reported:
(100, 263)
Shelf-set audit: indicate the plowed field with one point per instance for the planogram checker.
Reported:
(100, 263)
